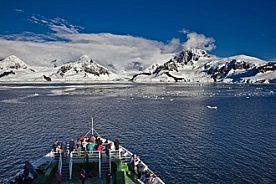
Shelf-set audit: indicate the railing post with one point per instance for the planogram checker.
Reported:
(71, 165)
(100, 165)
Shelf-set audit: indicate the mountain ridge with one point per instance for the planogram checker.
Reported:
(191, 65)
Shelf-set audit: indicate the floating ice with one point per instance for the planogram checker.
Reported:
(211, 107)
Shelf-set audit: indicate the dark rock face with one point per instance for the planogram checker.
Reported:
(136, 75)
(47, 78)
(165, 68)
(7, 73)
(176, 79)
(18, 66)
(86, 67)
(64, 69)
(188, 56)
(101, 71)
(169, 65)
(220, 72)
(271, 66)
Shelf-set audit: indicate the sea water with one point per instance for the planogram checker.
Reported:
(192, 133)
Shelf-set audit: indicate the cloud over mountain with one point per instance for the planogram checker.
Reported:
(198, 41)
(66, 42)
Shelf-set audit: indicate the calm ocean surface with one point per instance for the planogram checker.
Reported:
(169, 126)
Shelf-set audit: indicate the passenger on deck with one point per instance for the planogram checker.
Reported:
(132, 162)
(79, 149)
(107, 147)
(116, 144)
(59, 149)
(84, 143)
(98, 141)
(92, 139)
(90, 146)
(145, 175)
(71, 145)
(152, 179)
(140, 169)
(100, 148)
(55, 146)
(96, 137)
(82, 138)
(63, 147)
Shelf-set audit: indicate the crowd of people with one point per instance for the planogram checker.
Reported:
(85, 145)
(95, 143)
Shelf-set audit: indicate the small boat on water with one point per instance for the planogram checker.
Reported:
(90, 159)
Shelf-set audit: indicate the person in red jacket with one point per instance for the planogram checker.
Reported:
(100, 148)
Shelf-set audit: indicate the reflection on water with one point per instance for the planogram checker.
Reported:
(169, 126)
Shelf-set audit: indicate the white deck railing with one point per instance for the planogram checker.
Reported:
(70, 166)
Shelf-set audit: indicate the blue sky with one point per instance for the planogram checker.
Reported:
(238, 27)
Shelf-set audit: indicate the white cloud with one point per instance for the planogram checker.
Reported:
(105, 48)
(67, 44)
(199, 41)
(184, 31)
(57, 25)
(19, 10)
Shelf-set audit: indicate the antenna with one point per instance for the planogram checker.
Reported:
(92, 123)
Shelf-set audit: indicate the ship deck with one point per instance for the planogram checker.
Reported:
(112, 166)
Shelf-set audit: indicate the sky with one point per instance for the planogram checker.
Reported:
(159, 28)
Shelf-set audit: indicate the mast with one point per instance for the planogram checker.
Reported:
(92, 124)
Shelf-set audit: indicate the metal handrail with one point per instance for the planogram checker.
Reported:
(60, 163)
(100, 165)
(109, 160)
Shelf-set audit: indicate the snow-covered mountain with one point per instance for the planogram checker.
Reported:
(193, 65)
(197, 65)
(12, 66)
(14, 69)
(80, 69)
(13, 63)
